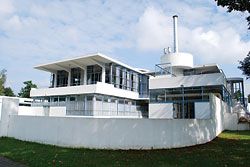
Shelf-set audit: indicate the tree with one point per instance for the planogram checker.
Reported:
(236, 5)
(242, 6)
(8, 92)
(245, 66)
(2, 81)
(25, 91)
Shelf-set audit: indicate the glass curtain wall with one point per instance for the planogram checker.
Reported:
(62, 78)
(94, 74)
(183, 99)
(143, 86)
(76, 78)
(126, 79)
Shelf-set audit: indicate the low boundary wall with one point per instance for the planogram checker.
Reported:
(115, 133)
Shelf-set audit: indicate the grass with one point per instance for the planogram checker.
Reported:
(231, 148)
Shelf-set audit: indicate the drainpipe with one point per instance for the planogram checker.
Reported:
(182, 88)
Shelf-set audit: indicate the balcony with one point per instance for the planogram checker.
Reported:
(187, 81)
(98, 88)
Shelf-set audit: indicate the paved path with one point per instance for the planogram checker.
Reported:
(4, 162)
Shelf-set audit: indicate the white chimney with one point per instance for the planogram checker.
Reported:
(177, 60)
(175, 18)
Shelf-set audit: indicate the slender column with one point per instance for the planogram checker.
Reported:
(55, 79)
(94, 106)
(69, 78)
(82, 77)
(242, 91)
(111, 72)
(85, 76)
(103, 74)
(85, 105)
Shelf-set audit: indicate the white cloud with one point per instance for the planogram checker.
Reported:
(34, 32)
(153, 30)
(6, 7)
(217, 44)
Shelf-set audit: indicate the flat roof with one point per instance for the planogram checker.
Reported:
(235, 79)
(207, 68)
(82, 61)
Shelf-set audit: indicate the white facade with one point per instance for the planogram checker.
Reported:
(187, 81)
(98, 88)
(161, 111)
(93, 85)
(178, 60)
(117, 133)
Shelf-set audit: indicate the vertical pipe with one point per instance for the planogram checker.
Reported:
(182, 89)
(175, 18)
(242, 91)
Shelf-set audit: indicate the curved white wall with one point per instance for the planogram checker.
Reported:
(181, 60)
(114, 133)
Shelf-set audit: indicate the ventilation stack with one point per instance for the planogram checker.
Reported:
(178, 60)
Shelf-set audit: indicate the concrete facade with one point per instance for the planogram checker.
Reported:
(187, 81)
(161, 111)
(99, 88)
(115, 133)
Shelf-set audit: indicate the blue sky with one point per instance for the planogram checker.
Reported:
(135, 32)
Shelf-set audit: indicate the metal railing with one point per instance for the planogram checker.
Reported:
(163, 69)
(106, 113)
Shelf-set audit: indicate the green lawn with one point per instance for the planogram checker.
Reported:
(229, 149)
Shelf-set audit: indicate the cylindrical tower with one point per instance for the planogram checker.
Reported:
(177, 59)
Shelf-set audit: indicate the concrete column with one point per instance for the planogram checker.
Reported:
(82, 77)
(94, 106)
(111, 74)
(103, 74)
(55, 79)
(85, 76)
(85, 105)
(69, 78)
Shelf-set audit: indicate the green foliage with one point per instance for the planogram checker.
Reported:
(8, 92)
(245, 66)
(229, 149)
(25, 91)
(2, 81)
(236, 5)
(237, 95)
(5, 91)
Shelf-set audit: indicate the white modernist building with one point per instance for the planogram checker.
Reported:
(97, 85)
(93, 85)
(185, 104)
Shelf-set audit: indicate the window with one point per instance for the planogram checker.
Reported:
(94, 74)
(72, 98)
(62, 99)
(184, 110)
(75, 76)
(62, 78)
(54, 99)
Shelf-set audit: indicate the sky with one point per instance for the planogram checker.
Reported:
(34, 32)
